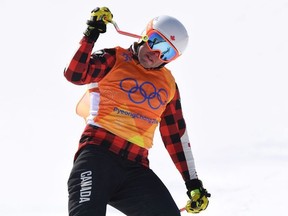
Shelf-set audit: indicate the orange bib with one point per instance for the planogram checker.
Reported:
(130, 99)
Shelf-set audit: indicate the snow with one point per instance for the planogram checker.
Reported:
(233, 83)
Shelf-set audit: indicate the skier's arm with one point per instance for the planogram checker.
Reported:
(85, 67)
(175, 138)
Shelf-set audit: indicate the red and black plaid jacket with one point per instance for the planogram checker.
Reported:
(85, 68)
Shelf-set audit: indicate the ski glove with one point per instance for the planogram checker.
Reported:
(198, 196)
(97, 22)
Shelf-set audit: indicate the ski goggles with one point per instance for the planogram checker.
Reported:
(157, 42)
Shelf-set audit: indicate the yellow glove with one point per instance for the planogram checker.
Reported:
(103, 14)
(198, 196)
(97, 22)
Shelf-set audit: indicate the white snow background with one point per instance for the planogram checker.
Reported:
(233, 79)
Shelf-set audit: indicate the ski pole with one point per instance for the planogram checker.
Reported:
(144, 37)
(182, 209)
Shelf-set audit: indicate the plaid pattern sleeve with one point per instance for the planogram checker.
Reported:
(86, 67)
(173, 129)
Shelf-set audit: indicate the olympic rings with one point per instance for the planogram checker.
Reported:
(154, 98)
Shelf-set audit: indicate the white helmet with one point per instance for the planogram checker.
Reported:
(172, 29)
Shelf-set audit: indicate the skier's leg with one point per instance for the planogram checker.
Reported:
(143, 194)
(90, 183)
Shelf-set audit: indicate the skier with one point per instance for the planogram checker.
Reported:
(130, 93)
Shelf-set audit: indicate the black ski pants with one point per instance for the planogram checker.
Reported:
(100, 177)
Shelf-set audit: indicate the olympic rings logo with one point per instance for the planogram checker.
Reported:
(139, 93)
